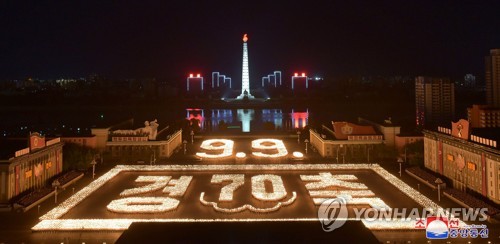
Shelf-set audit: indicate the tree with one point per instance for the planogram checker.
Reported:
(77, 157)
(384, 153)
(415, 153)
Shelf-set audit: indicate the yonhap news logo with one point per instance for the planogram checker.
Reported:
(332, 213)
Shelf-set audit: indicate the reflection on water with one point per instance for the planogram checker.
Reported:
(198, 114)
(275, 116)
(299, 119)
(245, 116)
(247, 120)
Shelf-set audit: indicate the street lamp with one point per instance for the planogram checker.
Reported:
(298, 136)
(400, 161)
(184, 143)
(368, 155)
(55, 184)
(152, 159)
(93, 163)
(306, 141)
(192, 137)
(439, 182)
(151, 156)
(338, 154)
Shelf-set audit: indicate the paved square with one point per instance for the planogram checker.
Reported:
(225, 193)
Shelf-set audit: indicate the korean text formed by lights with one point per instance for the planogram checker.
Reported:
(190, 75)
(315, 184)
(198, 76)
(321, 183)
(258, 191)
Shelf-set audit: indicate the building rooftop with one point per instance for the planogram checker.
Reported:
(410, 134)
(386, 121)
(484, 107)
(133, 127)
(488, 133)
(342, 130)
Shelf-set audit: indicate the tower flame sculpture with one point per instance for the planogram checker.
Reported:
(245, 81)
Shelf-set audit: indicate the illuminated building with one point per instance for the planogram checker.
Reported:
(350, 131)
(345, 139)
(482, 116)
(220, 80)
(272, 79)
(30, 168)
(84, 141)
(265, 81)
(468, 157)
(145, 144)
(245, 80)
(392, 133)
(492, 77)
(387, 129)
(435, 100)
(300, 81)
(191, 82)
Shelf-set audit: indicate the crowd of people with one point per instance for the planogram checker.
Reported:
(422, 174)
(39, 193)
(34, 196)
(69, 176)
(467, 199)
(472, 201)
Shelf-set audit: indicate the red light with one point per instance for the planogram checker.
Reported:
(198, 75)
(190, 75)
(304, 74)
(296, 74)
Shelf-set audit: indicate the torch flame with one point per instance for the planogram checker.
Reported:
(245, 38)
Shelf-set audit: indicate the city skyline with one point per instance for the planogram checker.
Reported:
(168, 40)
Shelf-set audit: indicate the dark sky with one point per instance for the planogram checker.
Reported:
(168, 39)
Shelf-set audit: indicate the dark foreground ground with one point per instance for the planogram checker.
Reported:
(241, 232)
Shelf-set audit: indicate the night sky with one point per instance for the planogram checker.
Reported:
(169, 39)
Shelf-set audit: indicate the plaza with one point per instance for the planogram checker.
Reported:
(86, 215)
(74, 215)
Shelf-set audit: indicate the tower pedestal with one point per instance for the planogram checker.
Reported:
(242, 96)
